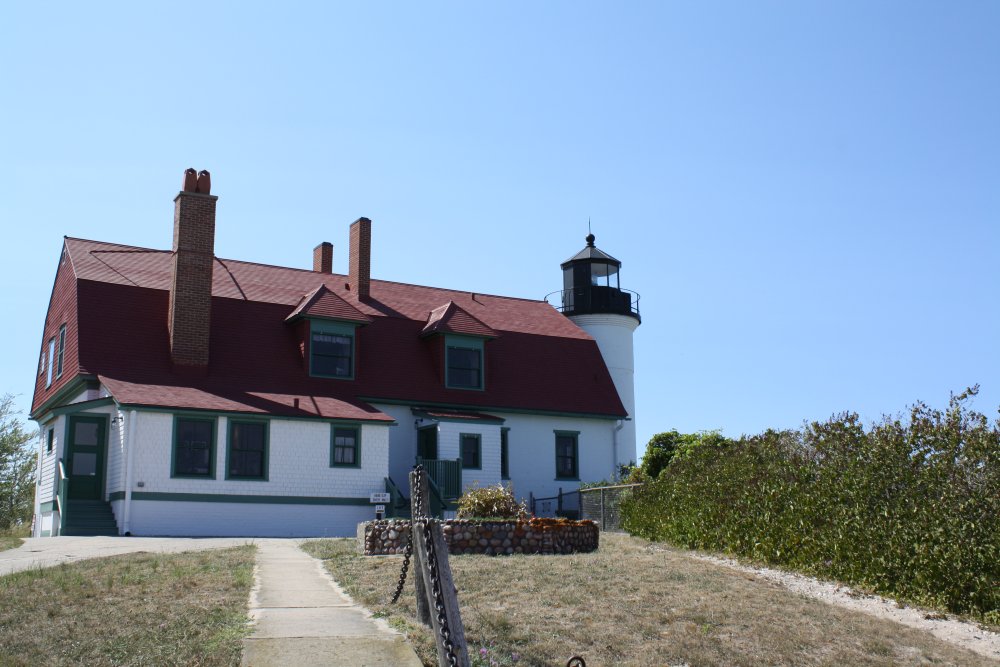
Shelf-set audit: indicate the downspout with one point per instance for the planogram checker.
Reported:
(36, 518)
(614, 447)
(129, 444)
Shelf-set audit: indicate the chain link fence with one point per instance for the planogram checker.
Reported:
(601, 503)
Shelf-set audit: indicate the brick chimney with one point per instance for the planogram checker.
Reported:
(361, 257)
(323, 258)
(191, 284)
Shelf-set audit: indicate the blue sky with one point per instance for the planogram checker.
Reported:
(805, 194)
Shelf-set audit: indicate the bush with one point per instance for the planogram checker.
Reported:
(491, 502)
(910, 509)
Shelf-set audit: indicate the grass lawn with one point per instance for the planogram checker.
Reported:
(633, 604)
(137, 609)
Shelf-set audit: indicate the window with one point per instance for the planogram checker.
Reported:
(50, 437)
(62, 349)
(504, 454)
(332, 350)
(194, 450)
(464, 363)
(52, 356)
(247, 455)
(345, 448)
(471, 451)
(567, 459)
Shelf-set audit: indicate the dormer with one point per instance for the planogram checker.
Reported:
(327, 330)
(464, 342)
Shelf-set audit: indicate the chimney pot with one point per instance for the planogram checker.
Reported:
(190, 181)
(204, 182)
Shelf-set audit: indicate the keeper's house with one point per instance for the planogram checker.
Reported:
(179, 393)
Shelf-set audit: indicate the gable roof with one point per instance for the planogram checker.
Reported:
(452, 318)
(324, 304)
(536, 359)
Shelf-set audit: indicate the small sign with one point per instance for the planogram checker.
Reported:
(379, 498)
(380, 509)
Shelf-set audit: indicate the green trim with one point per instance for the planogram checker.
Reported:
(47, 507)
(211, 447)
(229, 498)
(82, 406)
(250, 415)
(452, 341)
(479, 447)
(491, 421)
(491, 408)
(46, 533)
(575, 477)
(116, 495)
(75, 385)
(357, 445)
(339, 329)
(267, 448)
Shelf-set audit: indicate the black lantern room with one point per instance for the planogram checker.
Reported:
(591, 285)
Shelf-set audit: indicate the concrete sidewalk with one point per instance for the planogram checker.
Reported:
(38, 552)
(302, 617)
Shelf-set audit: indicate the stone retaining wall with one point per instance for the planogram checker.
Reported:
(534, 536)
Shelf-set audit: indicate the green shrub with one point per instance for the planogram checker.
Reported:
(907, 508)
(491, 502)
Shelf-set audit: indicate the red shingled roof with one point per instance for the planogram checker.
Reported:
(452, 318)
(538, 360)
(323, 303)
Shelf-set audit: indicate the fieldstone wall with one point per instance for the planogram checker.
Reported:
(533, 536)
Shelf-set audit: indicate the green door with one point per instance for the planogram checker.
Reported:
(427, 443)
(85, 462)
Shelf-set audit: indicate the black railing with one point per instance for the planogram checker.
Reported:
(592, 299)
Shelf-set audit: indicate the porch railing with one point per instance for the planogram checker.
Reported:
(446, 475)
(399, 505)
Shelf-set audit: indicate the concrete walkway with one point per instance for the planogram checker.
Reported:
(303, 618)
(37, 552)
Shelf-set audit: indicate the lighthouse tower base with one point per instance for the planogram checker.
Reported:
(613, 334)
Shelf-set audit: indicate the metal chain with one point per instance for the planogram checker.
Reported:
(409, 548)
(406, 566)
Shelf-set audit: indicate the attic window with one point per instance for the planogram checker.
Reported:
(52, 356)
(331, 350)
(464, 361)
(62, 350)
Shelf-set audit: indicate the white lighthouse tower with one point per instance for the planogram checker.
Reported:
(593, 298)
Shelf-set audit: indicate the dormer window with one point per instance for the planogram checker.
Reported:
(331, 349)
(328, 341)
(464, 361)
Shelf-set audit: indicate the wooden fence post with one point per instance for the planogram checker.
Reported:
(425, 530)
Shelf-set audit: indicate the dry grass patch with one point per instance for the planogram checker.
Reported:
(632, 603)
(136, 609)
(7, 542)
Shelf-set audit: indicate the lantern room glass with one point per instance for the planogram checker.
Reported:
(604, 274)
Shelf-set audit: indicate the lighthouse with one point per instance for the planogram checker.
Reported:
(592, 296)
